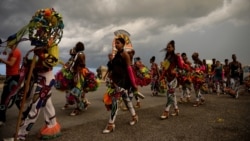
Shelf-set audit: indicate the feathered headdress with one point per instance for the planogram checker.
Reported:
(126, 36)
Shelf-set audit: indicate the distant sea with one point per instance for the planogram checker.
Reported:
(55, 69)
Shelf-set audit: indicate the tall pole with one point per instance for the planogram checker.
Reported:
(26, 88)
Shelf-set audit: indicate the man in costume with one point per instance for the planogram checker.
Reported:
(45, 32)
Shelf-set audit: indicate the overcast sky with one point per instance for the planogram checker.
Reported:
(214, 28)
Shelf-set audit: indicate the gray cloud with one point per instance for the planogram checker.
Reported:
(214, 28)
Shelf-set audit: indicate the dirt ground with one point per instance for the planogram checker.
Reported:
(221, 118)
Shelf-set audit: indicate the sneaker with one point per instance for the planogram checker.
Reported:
(1, 123)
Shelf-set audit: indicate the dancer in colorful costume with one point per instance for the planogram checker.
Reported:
(198, 79)
(171, 62)
(154, 76)
(184, 79)
(122, 82)
(45, 32)
(143, 77)
(76, 66)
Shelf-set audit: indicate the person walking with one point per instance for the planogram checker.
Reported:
(123, 83)
(172, 62)
(12, 77)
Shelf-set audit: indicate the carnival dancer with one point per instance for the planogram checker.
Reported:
(123, 82)
(76, 65)
(185, 80)
(218, 76)
(143, 77)
(198, 79)
(154, 76)
(45, 35)
(235, 73)
(226, 68)
(171, 63)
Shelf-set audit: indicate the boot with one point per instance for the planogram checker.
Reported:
(176, 112)
(134, 120)
(138, 105)
(109, 128)
(164, 115)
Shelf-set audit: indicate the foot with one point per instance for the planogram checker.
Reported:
(181, 100)
(47, 133)
(236, 94)
(86, 105)
(153, 93)
(134, 120)
(66, 106)
(124, 108)
(75, 112)
(196, 104)
(176, 112)
(18, 138)
(138, 105)
(164, 115)
(2, 123)
(109, 128)
(12, 139)
(202, 101)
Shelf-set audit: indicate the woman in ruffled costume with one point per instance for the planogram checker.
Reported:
(154, 76)
(76, 67)
(198, 79)
(122, 83)
(143, 77)
(185, 80)
(171, 63)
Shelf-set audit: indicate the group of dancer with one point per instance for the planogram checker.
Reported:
(199, 76)
(125, 75)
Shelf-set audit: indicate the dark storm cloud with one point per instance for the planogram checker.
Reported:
(152, 23)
